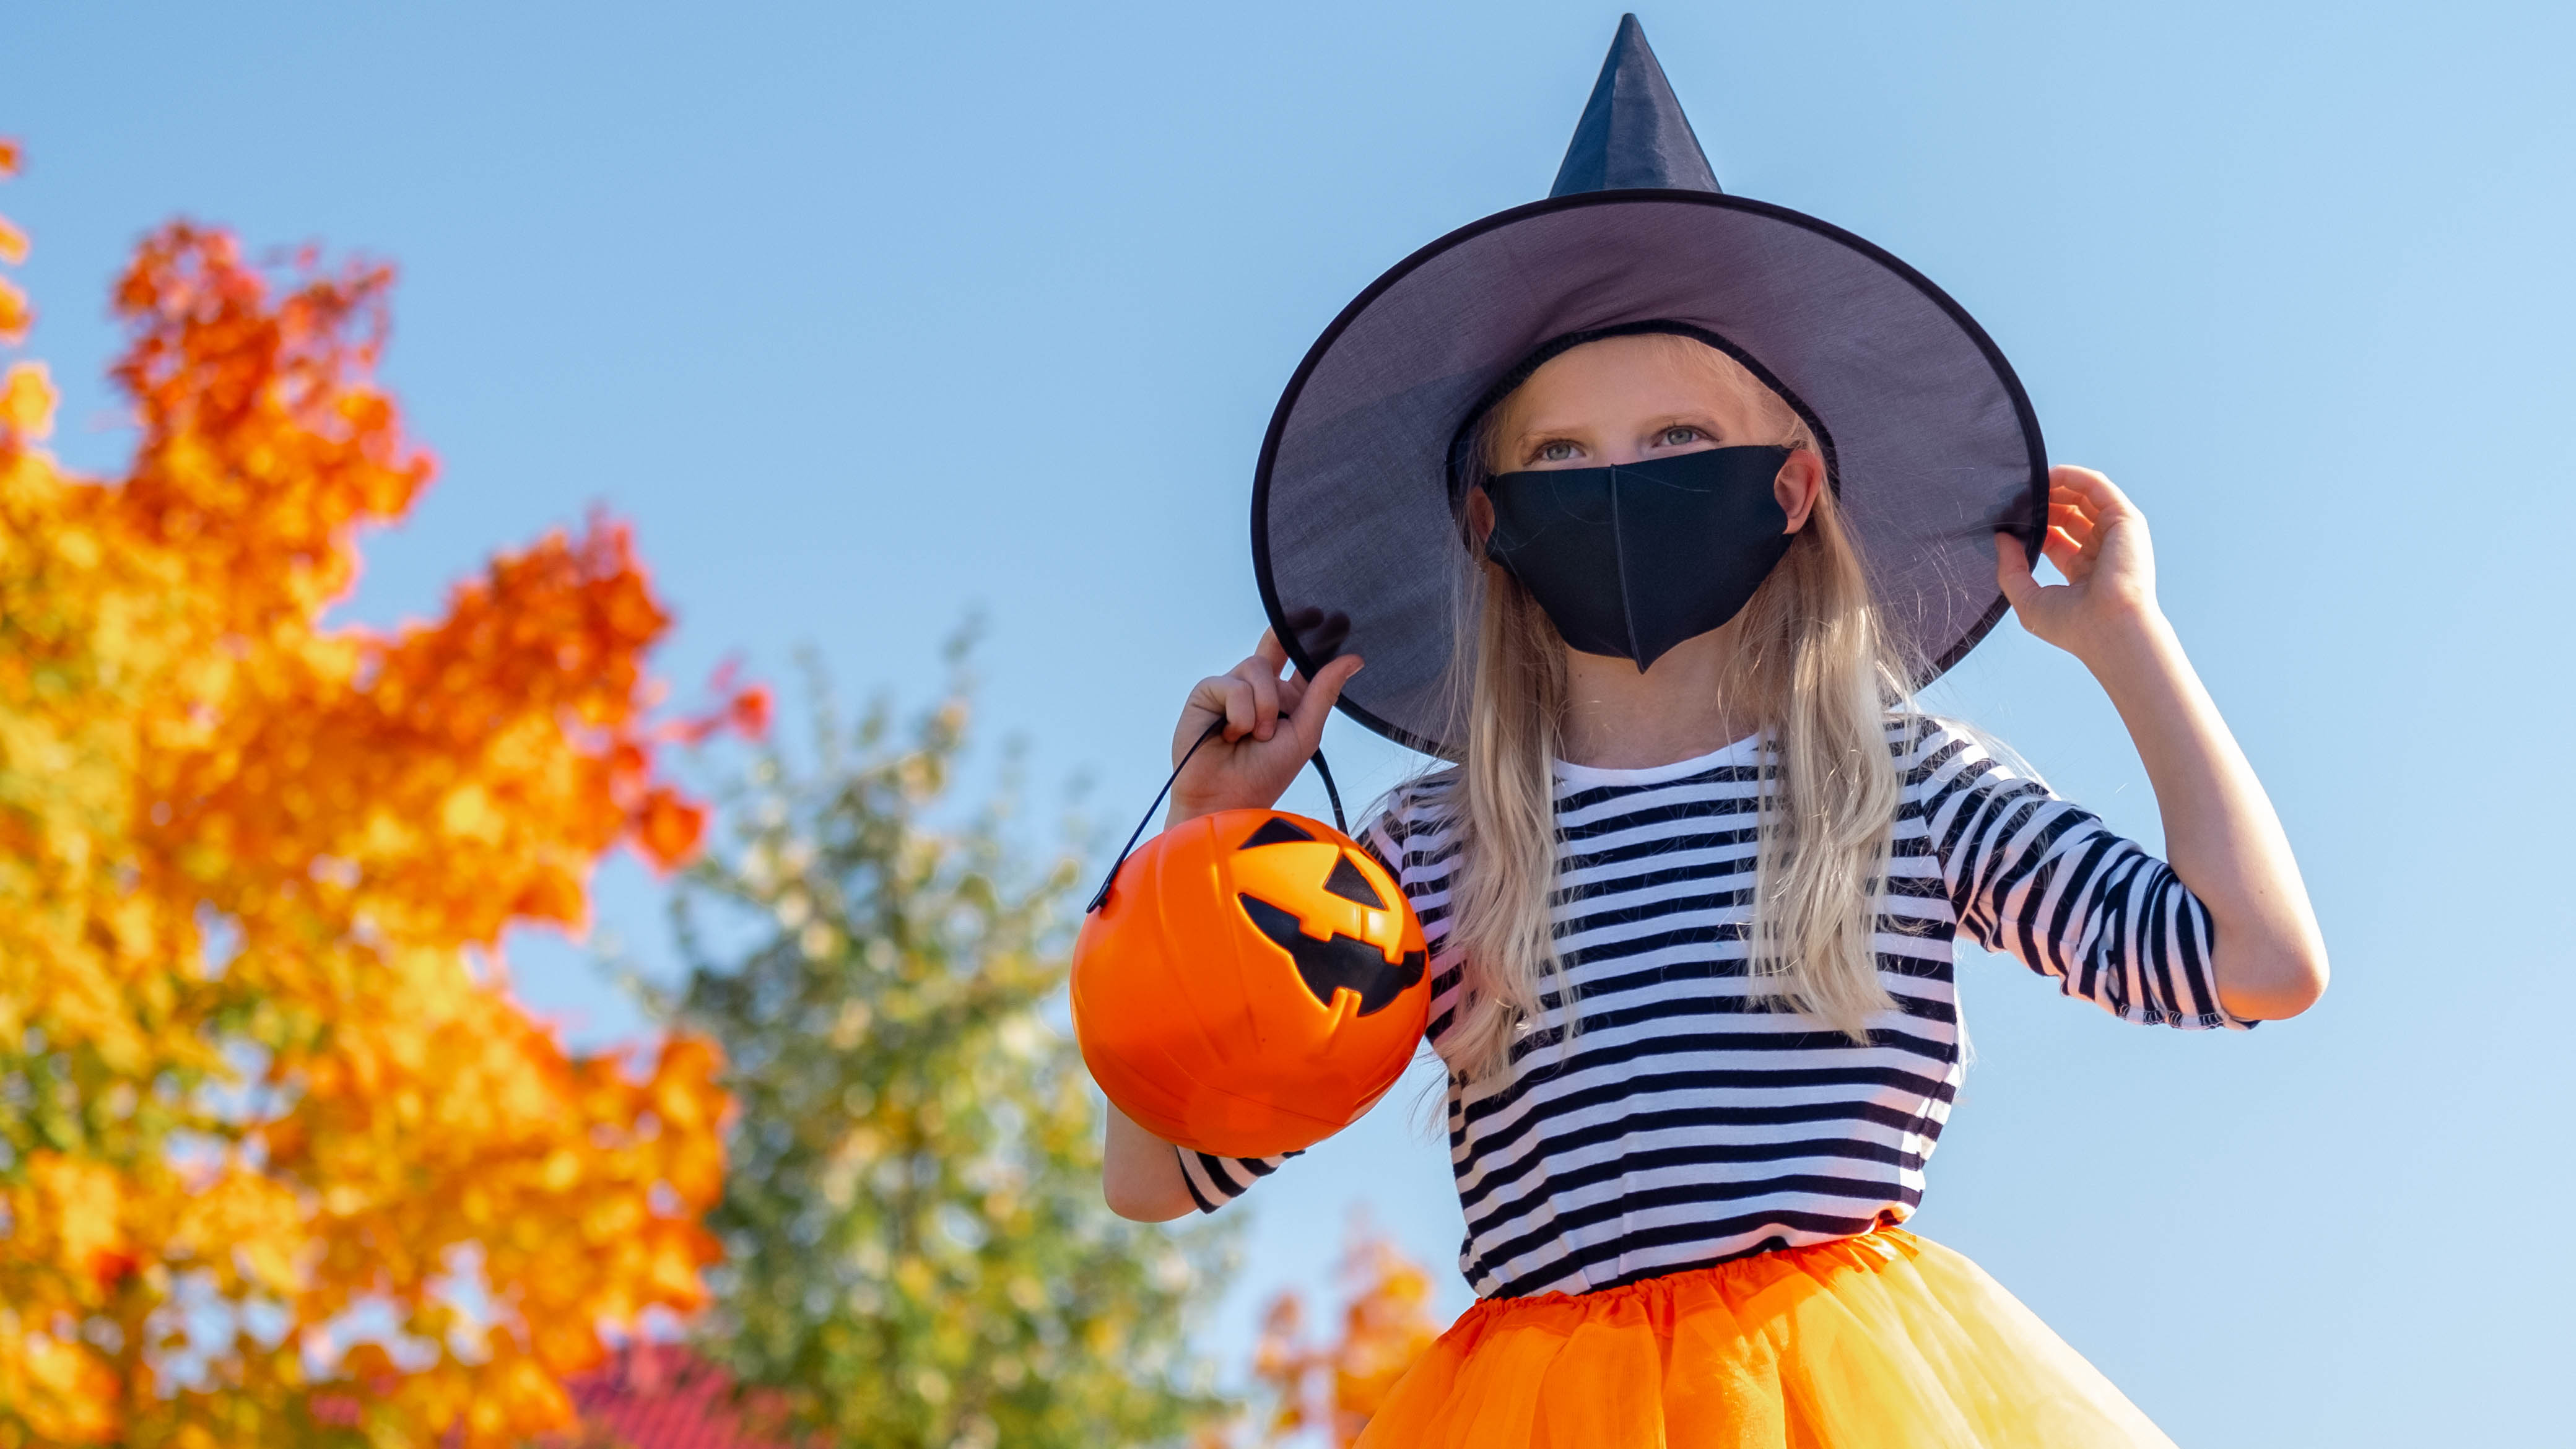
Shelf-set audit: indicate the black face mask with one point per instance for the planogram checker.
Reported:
(1632, 560)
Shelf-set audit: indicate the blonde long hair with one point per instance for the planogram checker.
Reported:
(1812, 671)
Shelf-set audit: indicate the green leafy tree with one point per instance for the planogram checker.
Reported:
(916, 1250)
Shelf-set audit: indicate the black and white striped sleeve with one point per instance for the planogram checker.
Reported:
(1215, 1181)
(2037, 878)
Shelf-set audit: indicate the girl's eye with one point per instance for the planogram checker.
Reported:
(1681, 437)
(1559, 451)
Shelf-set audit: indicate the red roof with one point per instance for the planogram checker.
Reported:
(661, 1396)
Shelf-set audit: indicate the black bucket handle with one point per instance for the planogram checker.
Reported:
(1331, 792)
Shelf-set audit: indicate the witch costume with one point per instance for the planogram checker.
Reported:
(1683, 1218)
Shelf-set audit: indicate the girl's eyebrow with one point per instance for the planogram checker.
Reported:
(1698, 418)
(1520, 436)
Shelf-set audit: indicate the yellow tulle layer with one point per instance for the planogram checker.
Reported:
(1884, 1340)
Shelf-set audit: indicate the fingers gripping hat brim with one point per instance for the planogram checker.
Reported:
(1934, 445)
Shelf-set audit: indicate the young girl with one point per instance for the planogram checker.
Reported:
(1692, 882)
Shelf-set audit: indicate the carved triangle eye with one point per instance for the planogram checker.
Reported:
(1347, 882)
(1276, 830)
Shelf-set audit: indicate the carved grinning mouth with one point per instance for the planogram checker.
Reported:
(1340, 963)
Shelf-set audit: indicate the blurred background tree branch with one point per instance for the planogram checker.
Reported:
(1331, 1388)
(916, 1249)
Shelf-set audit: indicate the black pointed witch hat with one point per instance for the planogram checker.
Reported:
(1928, 438)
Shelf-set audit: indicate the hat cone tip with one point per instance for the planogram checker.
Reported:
(1632, 133)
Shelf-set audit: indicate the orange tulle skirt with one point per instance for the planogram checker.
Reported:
(1884, 1340)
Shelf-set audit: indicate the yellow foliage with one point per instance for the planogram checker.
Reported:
(262, 1088)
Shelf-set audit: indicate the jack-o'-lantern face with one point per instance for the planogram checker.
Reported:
(1249, 983)
(1315, 899)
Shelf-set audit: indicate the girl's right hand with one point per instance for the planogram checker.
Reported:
(1250, 765)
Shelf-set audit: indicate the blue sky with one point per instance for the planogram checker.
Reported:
(872, 316)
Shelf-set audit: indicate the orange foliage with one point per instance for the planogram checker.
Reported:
(13, 250)
(280, 1159)
(1338, 1387)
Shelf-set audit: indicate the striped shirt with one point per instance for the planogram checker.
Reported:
(1686, 1122)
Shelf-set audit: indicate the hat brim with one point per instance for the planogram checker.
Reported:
(1934, 443)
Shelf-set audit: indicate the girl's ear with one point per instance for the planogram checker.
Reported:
(1801, 478)
(1480, 516)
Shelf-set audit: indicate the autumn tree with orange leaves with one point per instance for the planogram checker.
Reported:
(280, 1160)
(1335, 1387)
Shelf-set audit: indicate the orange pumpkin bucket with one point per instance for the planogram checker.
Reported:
(1249, 982)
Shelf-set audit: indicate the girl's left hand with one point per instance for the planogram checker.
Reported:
(2098, 540)
(2221, 835)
